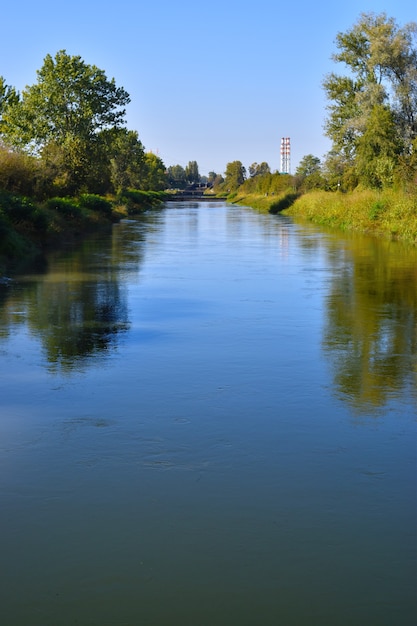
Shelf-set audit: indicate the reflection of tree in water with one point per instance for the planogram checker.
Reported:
(78, 308)
(79, 320)
(371, 333)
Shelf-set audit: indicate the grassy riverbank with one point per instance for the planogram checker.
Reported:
(386, 213)
(28, 228)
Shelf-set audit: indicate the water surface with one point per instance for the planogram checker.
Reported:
(207, 417)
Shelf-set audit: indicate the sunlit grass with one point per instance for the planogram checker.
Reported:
(388, 213)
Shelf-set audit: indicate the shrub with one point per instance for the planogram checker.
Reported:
(376, 209)
(97, 203)
(16, 208)
(64, 206)
(138, 200)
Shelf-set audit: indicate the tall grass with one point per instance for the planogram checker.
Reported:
(386, 213)
(267, 202)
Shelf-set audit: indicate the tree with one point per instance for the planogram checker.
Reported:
(257, 169)
(127, 159)
(381, 59)
(377, 149)
(235, 175)
(64, 112)
(155, 177)
(192, 174)
(8, 97)
(308, 173)
(308, 165)
(176, 176)
(338, 172)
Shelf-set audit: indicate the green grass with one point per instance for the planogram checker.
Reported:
(267, 202)
(387, 213)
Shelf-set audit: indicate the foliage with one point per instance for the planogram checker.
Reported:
(22, 174)
(8, 97)
(65, 206)
(155, 175)
(373, 110)
(259, 169)
(62, 115)
(386, 213)
(308, 174)
(235, 176)
(176, 176)
(20, 209)
(127, 159)
(71, 100)
(266, 184)
(137, 201)
(192, 174)
(93, 202)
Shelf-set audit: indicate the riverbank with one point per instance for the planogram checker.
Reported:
(28, 228)
(387, 213)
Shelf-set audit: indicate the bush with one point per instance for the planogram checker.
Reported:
(137, 200)
(376, 209)
(97, 203)
(17, 208)
(64, 206)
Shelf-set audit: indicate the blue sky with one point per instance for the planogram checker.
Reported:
(212, 82)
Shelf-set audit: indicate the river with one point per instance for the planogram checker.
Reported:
(207, 418)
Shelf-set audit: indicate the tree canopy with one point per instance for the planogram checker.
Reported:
(70, 100)
(372, 115)
(192, 174)
(73, 120)
(259, 169)
(235, 175)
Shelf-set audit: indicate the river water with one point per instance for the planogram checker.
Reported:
(207, 418)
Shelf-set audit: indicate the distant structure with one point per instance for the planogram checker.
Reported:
(285, 155)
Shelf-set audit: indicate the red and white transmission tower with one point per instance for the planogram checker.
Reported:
(285, 155)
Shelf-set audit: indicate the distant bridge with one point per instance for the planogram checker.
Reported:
(194, 191)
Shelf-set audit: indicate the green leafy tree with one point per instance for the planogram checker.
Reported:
(308, 165)
(192, 174)
(381, 59)
(63, 114)
(155, 177)
(377, 149)
(8, 97)
(127, 160)
(259, 169)
(339, 172)
(308, 173)
(235, 176)
(177, 177)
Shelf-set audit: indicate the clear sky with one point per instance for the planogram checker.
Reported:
(211, 82)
